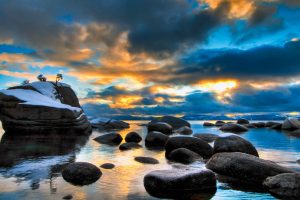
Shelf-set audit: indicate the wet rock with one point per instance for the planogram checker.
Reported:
(269, 124)
(208, 124)
(245, 167)
(69, 196)
(133, 137)
(146, 160)
(259, 124)
(107, 166)
(185, 130)
(81, 173)
(207, 137)
(277, 126)
(175, 122)
(109, 138)
(194, 144)
(242, 121)
(219, 123)
(160, 127)
(234, 143)
(291, 124)
(129, 146)
(284, 185)
(250, 126)
(103, 123)
(233, 128)
(183, 155)
(178, 182)
(156, 139)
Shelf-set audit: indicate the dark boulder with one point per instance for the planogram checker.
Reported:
(178, 183)
(183, 155)
(284, 185)
(242, 121)
(146, 160)
(245, 167)
(185, 130)
(291, 124)
(208, 124)
(156, 139)
(277, 126)
(219, 123)
(133, 137)
(129, 146)
(175, 122)
(259, 124)
(207, 137)
(69, 196)
(107, 166)
(234, 143)
(103, 123)
(250, 125)
(160, 127)
(109, 138)
(81, 173)
(194, 144)
(269, 124)
(233, 128)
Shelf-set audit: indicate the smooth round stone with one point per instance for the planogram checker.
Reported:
(156, 139)
(207, 137)
(146, 160)
(109, 138)
(133, 137)
(107, 166)
(242, 121)
(183, 155)
(129, 146)
(185, 130)
(160, 127)
(233, 128)
(208, 124)
(69, 196)
(175, 122)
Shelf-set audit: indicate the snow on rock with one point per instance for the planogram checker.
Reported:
(46, 88)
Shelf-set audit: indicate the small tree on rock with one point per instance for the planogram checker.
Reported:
(41, 78)
(25, 82)
(58, 78)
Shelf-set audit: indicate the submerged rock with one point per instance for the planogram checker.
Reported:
(156, 139)
(207, 137)
(107, 166)
(81, 173)
(242, 121)
(233, 143)
(178, 183)
(183, 155)
(160, 127)
(108, 124)
(219, 123)
(129, 146)
(208, 124)
(245, 167)
(194, 144)
(109, 138)
(185, 130)
(234, 128)
(69, 196)
(133, 137)
(146, 160)
(284, 185)
(175, 122)
(269, 124)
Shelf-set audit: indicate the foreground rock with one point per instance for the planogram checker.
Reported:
(194, 144)
(207, 137)
(284, 185)
(183, 155)
(160, 127)
(133, 137)
(129, 146)
(107, 166)
(146, 160)
(177, 183)
(109, 138)
(175, 122)
(242, 121)
(42, 108)
(233, 128)
(108, 124)
(81, 173)
(234, 143)
(291, 124)
(185, 130)
(245, 167)
(156, 139)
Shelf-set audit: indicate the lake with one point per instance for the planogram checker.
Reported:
(34, 165)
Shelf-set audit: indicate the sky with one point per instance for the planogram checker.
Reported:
(158, 57)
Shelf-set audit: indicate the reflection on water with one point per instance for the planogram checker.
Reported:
(31, 166)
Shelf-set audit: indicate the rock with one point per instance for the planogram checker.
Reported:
(107, 166)
(176, 183)
(207, 137)
(109, 138)
(276, 126)
(291, 124)
(175, 122)
(129, 146)
(81, 173)
(219, 123)
(69, 196)
(146, 160)
(185, 130)
(259, 124)
(108, 124)
(284, 185)
(233, 128)
(234, 143)
(250, 126)
(156, 139)
(194, 144)
(298, 161)
(42, 108)
(183, 155)
(133, 137)
(269, 124)
(208, 124)
(245, 167)
(242, 121)
(160, 127)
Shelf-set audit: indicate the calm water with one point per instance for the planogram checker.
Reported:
(37, 162)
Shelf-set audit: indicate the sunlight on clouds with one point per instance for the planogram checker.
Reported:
(217, 86)
(125, 101)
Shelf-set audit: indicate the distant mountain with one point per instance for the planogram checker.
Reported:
(266, 116)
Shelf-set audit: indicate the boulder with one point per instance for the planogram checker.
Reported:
(291, 124)
(107, 166)
(129, 146)
(285, 185)
(183, 155)
(109, 138)
(69, 196)
(219, 123)
(250, 125)
(160, 127)
(207, 137)
(276, 126)
(208, 124)
(133, 137)
(81, 173)
(177, 183)
(233, 143)
(156, 139)
(269, 124)
(42, 108)
(185, 130)
(175, 122)
(194, 144)
(242, 121)
(233, 128)
(245, 167)
(259, 124)
(103, 123)
(146, 160)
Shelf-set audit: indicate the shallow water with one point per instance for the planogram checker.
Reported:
(37, 163)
